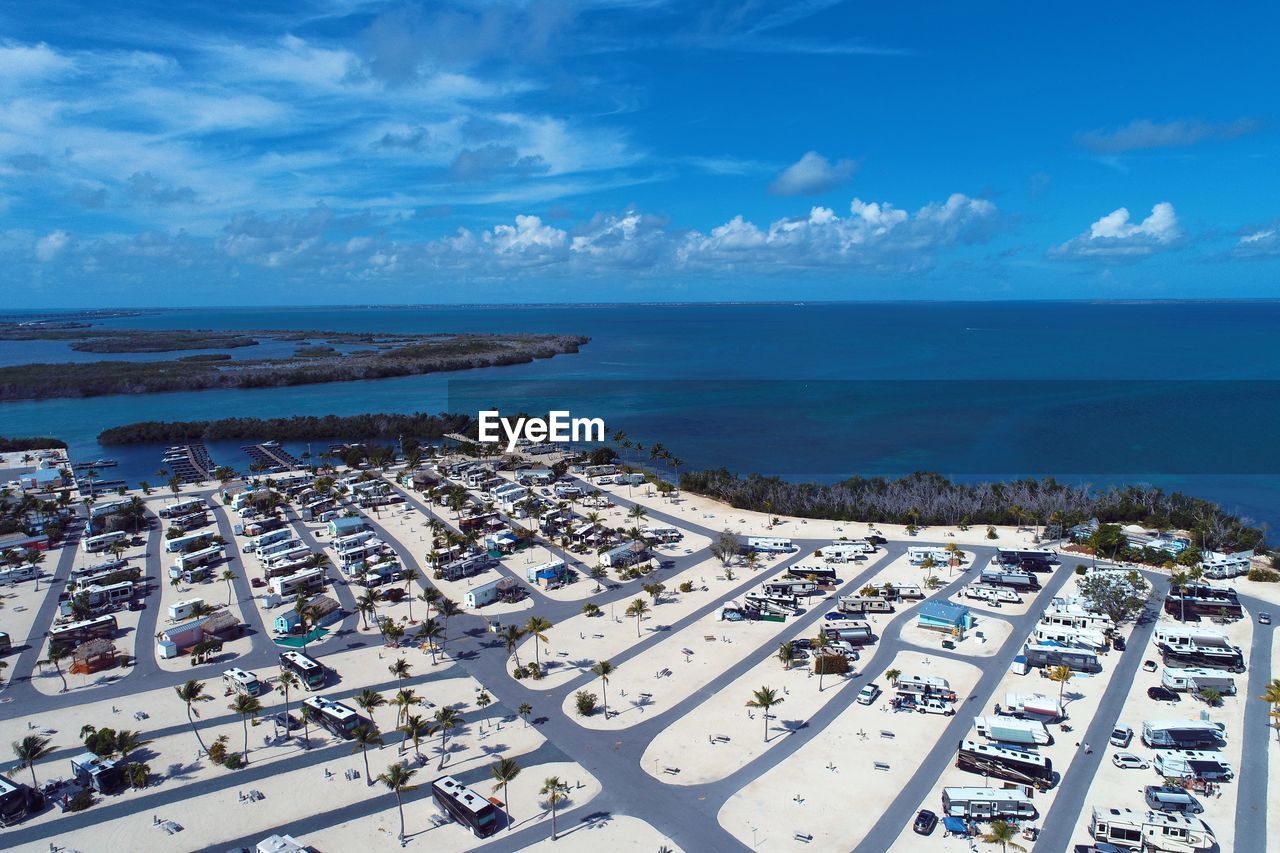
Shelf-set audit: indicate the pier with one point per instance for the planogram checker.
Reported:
(189, 462)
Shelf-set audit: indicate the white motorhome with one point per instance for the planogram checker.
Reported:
(1083, 638)
(905, 590)
(1193, 679)
(241, 681)
(182, 610)
(1077, 617)
(843, 552)
(289, 586)
(1151, 830)
(917, 555)
(987, 803)
(925, 685)
(1012, 730)
(770, 544)
(1193, 764)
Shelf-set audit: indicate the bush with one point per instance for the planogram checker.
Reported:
(233, 761)
(81, 801)
(533, 671)
(991, 532)
(518, 674)
(1264, 575)
(830, 665)
(218, 750)
(1080, 570)
(586, 703)
(687, 586)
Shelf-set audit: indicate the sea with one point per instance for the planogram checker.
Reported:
(1182, 395)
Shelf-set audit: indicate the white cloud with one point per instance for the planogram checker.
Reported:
(1259, 242)
(1116, 237)
(51, 245)
(812, 174)
(1144, 133)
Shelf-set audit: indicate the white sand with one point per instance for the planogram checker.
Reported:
(815, 790)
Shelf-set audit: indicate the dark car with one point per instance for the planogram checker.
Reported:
(1161, 694)
(1117, 643)
(880, 540)
(288, 723)
(925, 822)
(802, 643)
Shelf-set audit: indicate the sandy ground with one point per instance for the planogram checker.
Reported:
(811, 791)
(1122, 788)
(984, 639)
(574, 645)
(722, 734)
(1273, 748)
(616, 832)
(19, 604)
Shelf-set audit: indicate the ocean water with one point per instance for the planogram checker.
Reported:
(1178, 394)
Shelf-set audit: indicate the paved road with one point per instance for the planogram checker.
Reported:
(1251, 799)
(1060, 822)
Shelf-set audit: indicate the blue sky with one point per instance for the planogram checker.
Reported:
(338, 151)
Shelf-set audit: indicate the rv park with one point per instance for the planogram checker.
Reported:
(358, 658)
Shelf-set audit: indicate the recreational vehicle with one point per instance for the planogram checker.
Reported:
(186, 562)
(853, 632)
(467, 806)
(180, 611)
(333, 717)
(917, 555)
(1079, 660)
(1002, 762)
(987, 803)
(1076, 617)
(662, 534)
(1194, 679)
(770, 544)
(1012, 579)
(1013, 730)
(101, 599)
(864, 604)
(1192, 764)
(17, 573)
(1032, 559)
(191, 540)
(1181, 646)
(1183, 734)
(241, 681)
(310, 671)
(791, 587)
(1151, 830)
(925, 685)
(305, 581)
(183, 507)
(1197, 600)
(89, 629)
(1083, 638)
(1034, 706)
(843, 552)
(104, 541)
(818, 574)
(905, 590)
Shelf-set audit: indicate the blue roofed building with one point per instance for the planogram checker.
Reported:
(945, 617)
(346, 525)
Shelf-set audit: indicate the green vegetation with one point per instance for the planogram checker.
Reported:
(13, 445)
(926, 498)
(390, 356)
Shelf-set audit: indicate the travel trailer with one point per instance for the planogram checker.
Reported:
(1194, 679)
(1151, 830)
(1079, 660)
(1184, 734)
(1002, 762)
(1013, 730)
(987, 803)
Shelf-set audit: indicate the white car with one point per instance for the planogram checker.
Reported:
(1129, 761)
(868, 694)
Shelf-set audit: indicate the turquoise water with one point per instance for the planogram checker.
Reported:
(680, 374)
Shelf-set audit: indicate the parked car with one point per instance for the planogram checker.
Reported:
(1118, 643)
(1264, 618)
(1121, 736)
(1161, 694)
(935, 706)
(1162, 798)
(802, 643)
(868, 694)
(257, 582)
(877, 540)
(1149, 665)
(1128, 761)
(925, 823)
(288, 723)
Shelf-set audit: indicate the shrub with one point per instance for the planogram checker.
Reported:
(1264, 575)
(991, 532)
(687, 586)
(518, 674)
(586, 703)
(1080, 570)
(533, 671)
(218, 750)
(233, 761)
(830, 665)
(80, 801)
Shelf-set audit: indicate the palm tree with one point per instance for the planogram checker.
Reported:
(228, 576)
(429, 632)
(429, 596)
(511, 636)
(367, 604)
(504, 771)
(365, 737)
(637, 608)
(29, 750)
(368, 700)
(604, 669)
(893, 675)
(191, 693)
(408, 574)
(524, 711)
(537, 627)
(764, 699)
(1177, 581)
(414, 728)
(58, 652)
(556, 792)
(785, 651)
(246, 706)
(1002, 833)
(405, 699)
(446, 719)
(1271, 695)
(401, 669)
(447, 607)
(1061, 675)
(396, 778)
(820, 644)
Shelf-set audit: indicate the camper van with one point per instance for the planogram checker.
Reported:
(1079, 660)
(987, 803)
(240, 681)
(1012, 730)
(180, 611)
(1083, 638)
(1151, 830)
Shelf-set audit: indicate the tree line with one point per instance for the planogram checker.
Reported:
(927, 498)
(13, 445)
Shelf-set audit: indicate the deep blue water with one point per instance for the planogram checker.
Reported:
(680, 374)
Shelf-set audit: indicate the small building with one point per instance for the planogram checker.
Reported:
(627, 554)
(345, 526)
(101, 774)
(23, 542)
(503, 541)
(290, 621)
(94, 656)
(549, 574)
(45, 476)
(177, 640)
(945, 617)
